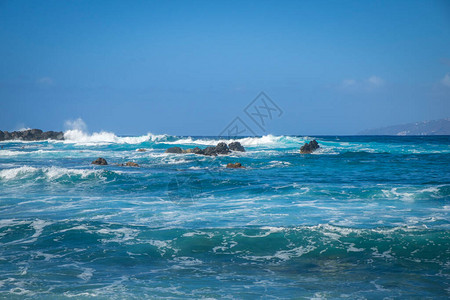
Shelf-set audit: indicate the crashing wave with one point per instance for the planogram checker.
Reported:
(50, 173)
(104, 137)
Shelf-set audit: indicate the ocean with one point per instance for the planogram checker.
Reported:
(364, 217)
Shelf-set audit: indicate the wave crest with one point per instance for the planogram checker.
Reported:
(50, 173)
(104, 137)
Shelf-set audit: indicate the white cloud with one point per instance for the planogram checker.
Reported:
(446, 80)
(375, 81)
(45, 81)
(77, 124)
(362, 85)
(348, 83)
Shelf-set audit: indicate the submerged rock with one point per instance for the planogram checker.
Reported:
(177, 150)
(310, 147)
(195, 150)
(234, 166)
(236, 146)
(131, 164)
(100, 161)
(31, 135)
(141, 150)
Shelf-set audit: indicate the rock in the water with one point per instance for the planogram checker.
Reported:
(31, 135)
(235, 166)
(222, 148)
(211, 151)
(195, 150)
(177, 150)
(141, 150)
(131, 164)
(309, 147)
(100, 161)
(236, 146)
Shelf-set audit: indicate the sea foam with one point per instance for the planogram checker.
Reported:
(104, 137)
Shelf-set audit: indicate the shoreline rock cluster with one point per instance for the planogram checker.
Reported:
(31, 135)
(310, 147)
(220, 149)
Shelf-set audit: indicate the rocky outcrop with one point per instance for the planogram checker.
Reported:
(141, 150)
(236, 146)
(100, 161)
(176, 150)
(234, 166)
(31, 135)
(220, 149)
(310, 147)
(131, 164)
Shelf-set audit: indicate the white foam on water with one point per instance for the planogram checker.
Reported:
(38, 226)
(15, 172)
(352, 248)
(54, 172)
(283, 255)
(83, 138)
(49, 173)
(12, 153)
(121, 235)
(266, 140)
(87, 274)
(187, 261)
(161, 245)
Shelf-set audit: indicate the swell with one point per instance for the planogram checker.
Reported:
(54, 174)
(242, 244)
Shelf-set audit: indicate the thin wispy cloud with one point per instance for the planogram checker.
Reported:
(45, 81)
(348, 83)
(371, 83)
(375, 81)
(446, 80)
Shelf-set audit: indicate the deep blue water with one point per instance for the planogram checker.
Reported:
(364, 217)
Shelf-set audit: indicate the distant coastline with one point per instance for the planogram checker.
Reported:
(434, 127)
(31, 135)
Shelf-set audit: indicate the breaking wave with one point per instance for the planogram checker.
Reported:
(103, 137)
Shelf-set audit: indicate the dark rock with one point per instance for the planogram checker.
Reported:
(211, 151)
(236, 146)
(235, 166)
(309, 147)
(131, 164)
(174, 150)
(141, 150)
(100, 161)
(195, 150)
(222, 148)
(52, 135)
(1, 135)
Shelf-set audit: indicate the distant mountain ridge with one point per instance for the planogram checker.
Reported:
(434, 127)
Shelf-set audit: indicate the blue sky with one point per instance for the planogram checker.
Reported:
(190, 67)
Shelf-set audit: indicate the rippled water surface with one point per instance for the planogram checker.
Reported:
(363, 217)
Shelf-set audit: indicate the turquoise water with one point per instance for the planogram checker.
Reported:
(364, 217)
